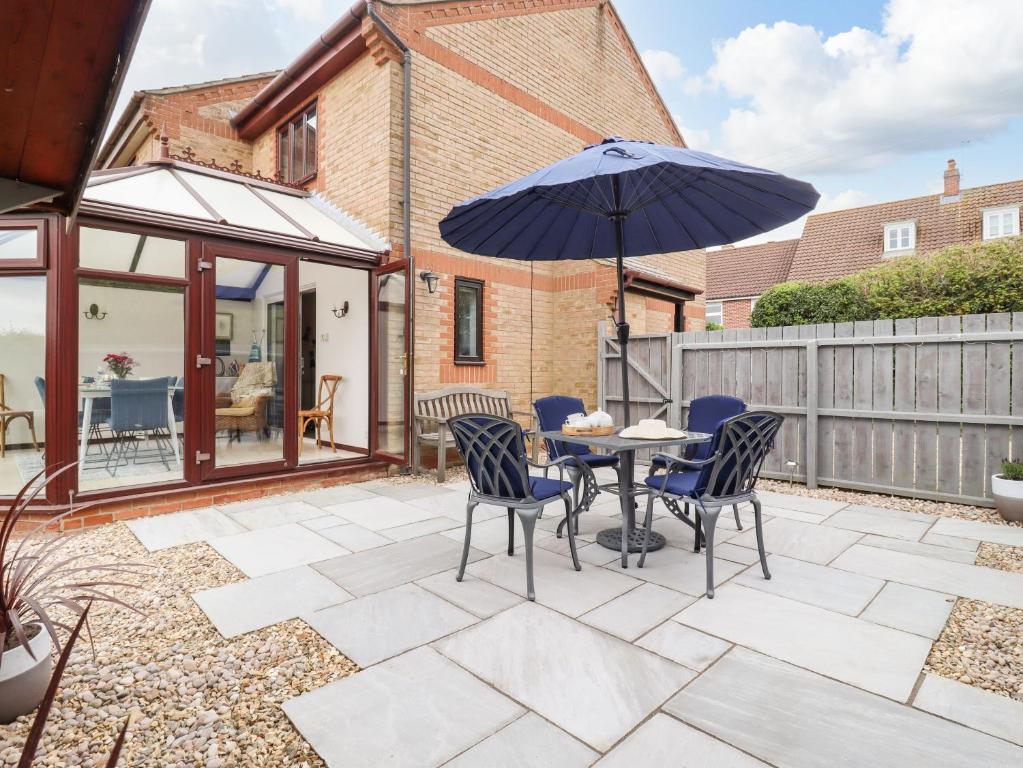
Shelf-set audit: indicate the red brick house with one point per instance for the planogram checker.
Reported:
(840, 243)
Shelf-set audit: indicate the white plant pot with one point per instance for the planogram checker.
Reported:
(23, 680)
(1008, 498)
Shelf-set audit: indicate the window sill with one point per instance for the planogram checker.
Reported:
(470, 362)
(899, 252)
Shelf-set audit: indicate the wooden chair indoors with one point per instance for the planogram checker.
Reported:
(322, 412)
(7, 415)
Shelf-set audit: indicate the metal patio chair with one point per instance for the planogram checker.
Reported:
(727, 477)
(494, 452)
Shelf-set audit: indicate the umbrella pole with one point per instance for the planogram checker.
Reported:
(623, 327)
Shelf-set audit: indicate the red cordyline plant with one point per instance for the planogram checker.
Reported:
(37, 577)
(121, 365)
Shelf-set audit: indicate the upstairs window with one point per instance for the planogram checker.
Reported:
(714, 313)
(900, 236)
(468, 321)
(296, 147)
(1001, 222)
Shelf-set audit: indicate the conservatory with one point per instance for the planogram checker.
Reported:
(195, 326)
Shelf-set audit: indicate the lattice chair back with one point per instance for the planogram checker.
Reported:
(138, 405)
(550, 415)
(740, 444)
(494, 454)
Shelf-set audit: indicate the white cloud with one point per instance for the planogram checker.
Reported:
(664, 67)
(938, 72)
(696, 138)
(850, 198)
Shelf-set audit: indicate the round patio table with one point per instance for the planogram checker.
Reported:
(627, 538)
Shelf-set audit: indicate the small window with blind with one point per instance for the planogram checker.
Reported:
(296, 147)
(468, 321)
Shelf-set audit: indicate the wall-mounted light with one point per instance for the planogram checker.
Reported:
(94, 313)
(340, 311)
(431, 279)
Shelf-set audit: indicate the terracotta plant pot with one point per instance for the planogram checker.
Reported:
(1008, 498)
(23, 680)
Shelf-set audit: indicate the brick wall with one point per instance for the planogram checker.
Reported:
(736, 312)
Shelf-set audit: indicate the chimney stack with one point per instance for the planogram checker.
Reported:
(951, 180)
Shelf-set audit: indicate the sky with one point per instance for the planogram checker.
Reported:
(865, 99)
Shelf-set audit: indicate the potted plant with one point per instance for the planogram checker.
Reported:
(39, 587)
(120, 365)
(1007, 489)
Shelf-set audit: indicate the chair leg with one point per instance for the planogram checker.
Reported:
(528, 519)
(648, 523)
(301, 437)
(330, 429)
(759, 523)
(442, 458)
(32, 429)
(3, 438)
(468, 537)
(511, 531)
(698, 544)
(710, 520)
(569, 514)
(738, 522)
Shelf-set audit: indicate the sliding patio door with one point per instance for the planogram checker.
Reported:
(391, 302)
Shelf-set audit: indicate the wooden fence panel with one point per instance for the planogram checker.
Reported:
(826, 399)
(972, 464)
(926, 432)
(904, 432)
(862, 386)
(997, 397)
(843, 398)
(882, 386)
(950, 400)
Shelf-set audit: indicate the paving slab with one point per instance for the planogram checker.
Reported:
(558, 585)
(292, 511)
(165, 531)
(529, 742)
(875, 658)
(379, 513)
(885, 522)
(920, 548)
(375, 570)
(594, 686)
(735, 553)
(791, 717)
(637, 612)
(353, 537)
(952, 542)
(491, 536)
(327, 520)
(245, 606)
(789, 514)
(421, 528)
(974, 707)
(803, 541)
(684, 645)
(591, 553)
(814, 584)
(337, 494)
(977, 530)
(478, 597)
(678, 569)
(911, 609)
(409, 491)
(451, 504)
(589, 525)
(663, 742)
(973, 581)
(376, 627)
(800, 503)
(267, 550)
(416, 710)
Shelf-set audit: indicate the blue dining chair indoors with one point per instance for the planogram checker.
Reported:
(551, 413)
(494, 453)
(138, 410)
(726, 477)
(100, 414)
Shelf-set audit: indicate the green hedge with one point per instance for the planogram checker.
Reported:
(959, 280)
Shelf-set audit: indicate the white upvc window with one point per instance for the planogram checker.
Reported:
(714, 313)
(1001, 222)
(899, 236)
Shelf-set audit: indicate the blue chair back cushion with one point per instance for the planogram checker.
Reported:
(705, 414)
(139, 405)
(551, 413)
(494, 454)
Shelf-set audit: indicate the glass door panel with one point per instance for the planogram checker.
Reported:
(392, 364)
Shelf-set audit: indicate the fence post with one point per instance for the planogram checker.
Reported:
(811, 414)
(675, 382)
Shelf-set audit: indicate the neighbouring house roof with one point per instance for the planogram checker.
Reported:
(62, 69)
(196, 198)
(748, 270)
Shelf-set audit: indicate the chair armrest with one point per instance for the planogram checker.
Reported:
(671, 460)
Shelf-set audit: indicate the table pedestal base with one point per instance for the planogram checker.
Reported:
(611, 538)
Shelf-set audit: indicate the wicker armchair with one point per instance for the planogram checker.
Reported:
(246, 411)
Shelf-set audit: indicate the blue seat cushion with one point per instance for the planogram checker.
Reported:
(545, 488)
(597, 459)
(678, 483)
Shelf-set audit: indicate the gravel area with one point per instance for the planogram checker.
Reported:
(1000, 556)
(195, 698)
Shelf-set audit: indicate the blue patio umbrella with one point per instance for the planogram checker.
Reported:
(623, 198)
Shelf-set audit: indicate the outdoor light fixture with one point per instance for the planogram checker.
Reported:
(431, 279)
(340, 311)
(791, 466)
(94, 313)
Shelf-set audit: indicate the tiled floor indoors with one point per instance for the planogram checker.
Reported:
(820, 666)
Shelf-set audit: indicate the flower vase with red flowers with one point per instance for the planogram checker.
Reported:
(120, 365)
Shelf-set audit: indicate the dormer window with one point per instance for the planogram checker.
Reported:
(900, 236)
(1001, 222)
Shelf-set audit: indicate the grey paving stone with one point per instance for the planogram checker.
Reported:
(952, 542)
(678, 569)
(267, 550)
(418, 709)
(663, 742)
(253, 604)
(973, 707)
(422, 528)
(791, 717)
(684, 645)
(910, 609)
(276, 514)
(800, 503)
(872, 657)
(589, 525)
(743, 555)
(325, 521)
(353, 537)
(474, 595)
(409, 491)
(596, 687)
(379, 513)
(995, 533)
(813, 584)
(973, 581)
(374, 570)
(164, 531)
(803, 541)
(491, 536)
(920, 548)
(379, 626)
(529, 742)
(790, 514)
(884, 522)
(336, 494)
(638, 611)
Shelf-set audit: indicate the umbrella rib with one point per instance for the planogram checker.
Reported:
(682, 226)
(727, 207)
(743, 181)
(502, 229)
(483, 213)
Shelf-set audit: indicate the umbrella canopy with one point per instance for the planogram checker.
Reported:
(623, 198)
